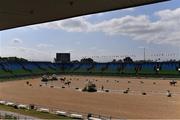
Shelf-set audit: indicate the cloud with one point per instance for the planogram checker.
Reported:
(42, 45)
(164, 30)
(106, 13)
(169, 15)
(93, 48)
(78, 43)
(16, 41)
(129, 9)
(123, 26)
(28, 53)
(69, 51)
(78, 24)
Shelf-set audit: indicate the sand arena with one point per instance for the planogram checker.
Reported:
(114, 103)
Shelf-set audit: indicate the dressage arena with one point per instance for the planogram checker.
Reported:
(155, 104)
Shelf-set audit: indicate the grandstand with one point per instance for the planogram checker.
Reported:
(21, 69)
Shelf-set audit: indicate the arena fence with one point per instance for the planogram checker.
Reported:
(51, 110)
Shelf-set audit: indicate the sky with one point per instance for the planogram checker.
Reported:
(153, 29)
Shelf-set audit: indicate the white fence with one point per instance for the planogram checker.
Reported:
(58, 111)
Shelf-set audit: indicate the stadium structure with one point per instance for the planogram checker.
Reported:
(22, 69)
(20, 13)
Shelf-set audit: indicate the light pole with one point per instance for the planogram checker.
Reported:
(144, 52)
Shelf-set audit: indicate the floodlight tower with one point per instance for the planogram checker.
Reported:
(144, 52)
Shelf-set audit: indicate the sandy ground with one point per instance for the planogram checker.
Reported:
(114, 103)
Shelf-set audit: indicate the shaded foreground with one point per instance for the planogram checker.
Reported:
(114, 103)
(21, 114)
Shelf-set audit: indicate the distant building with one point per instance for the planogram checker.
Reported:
(62, 58)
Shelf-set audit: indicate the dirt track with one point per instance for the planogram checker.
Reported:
(133, 105)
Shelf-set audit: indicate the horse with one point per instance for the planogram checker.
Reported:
(67, 83)
(173, 83)
(126, 91)
(62, 79)
(168, 93)
(141, 82)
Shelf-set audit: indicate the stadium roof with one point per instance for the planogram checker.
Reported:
(17, 13)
